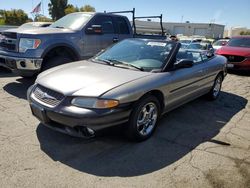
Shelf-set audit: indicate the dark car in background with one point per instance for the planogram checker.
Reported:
(237, 52)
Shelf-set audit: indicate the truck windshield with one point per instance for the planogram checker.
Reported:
(239, 42)
(146, 55)
(72, 21)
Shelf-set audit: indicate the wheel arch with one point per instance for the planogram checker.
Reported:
(158, 95)
(222, 74)
(71, 51)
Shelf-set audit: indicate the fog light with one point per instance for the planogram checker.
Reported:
(91, 132)
(23, 64)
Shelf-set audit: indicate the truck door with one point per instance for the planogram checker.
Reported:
(94, 43)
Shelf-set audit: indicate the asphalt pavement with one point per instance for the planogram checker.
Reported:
(201, 144)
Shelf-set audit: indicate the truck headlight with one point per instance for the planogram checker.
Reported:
(94, 103)
(26, 43)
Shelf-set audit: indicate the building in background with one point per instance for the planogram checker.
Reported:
(235, 31)
(208, 30)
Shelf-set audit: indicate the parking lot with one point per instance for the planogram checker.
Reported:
(201, 144)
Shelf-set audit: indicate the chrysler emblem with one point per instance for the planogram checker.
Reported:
(44, 95)
(47, 96)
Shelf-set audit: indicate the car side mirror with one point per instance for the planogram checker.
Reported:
(183, 63)
(94, 30)
(210, 52)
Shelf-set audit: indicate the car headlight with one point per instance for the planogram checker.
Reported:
(94, 103)
(26, 43)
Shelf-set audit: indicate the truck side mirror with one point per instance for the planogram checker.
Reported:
(94, 30)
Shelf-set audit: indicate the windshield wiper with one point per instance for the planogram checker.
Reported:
(60, 27)
(118, 63)
(105, 61)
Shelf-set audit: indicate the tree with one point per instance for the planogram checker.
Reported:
(87, 8)
(2, 17)
(15, 17)
(245, 33)
(70, 9)
(56, 8)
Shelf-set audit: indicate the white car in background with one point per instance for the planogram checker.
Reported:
(219, 43)
(35, 24)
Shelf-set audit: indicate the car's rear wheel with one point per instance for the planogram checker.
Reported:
(143, 119)
(216, 89)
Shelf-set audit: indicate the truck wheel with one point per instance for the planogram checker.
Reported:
(143, 119)
(215, 91)
(55, 61)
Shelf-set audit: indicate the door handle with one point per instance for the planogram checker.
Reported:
(115, 40)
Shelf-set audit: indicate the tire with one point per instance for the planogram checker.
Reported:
(55, 61)
(143, 119)
(215, 91)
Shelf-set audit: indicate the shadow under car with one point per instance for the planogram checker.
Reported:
(178, 133)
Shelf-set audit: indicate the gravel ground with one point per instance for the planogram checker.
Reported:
(201, 144)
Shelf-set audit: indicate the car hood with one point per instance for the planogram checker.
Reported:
(229, 50)
(85, 78)
(39, 30)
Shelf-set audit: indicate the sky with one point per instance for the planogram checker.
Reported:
(230, 13)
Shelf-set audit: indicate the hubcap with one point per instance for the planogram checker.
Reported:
(217, 86)
(147, 119)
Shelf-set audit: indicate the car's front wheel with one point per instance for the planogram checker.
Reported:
(143, 119)
(215, 91)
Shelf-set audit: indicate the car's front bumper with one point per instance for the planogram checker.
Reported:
(244, 65)
(77, 121)
(21, 64)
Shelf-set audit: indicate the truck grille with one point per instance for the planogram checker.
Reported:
(47, 96)
(8, 41)
(234, 58)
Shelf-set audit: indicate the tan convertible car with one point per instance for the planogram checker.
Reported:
(133, 82)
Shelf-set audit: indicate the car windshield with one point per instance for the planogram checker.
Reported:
(145, 55)
(72, 21)
(239, 42)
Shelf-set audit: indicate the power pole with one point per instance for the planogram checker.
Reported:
(43, 7)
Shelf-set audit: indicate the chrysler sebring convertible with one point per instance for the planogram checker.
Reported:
(133, 83)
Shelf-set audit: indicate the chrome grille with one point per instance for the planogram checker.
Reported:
(234, 58)
(8, 41)
(47, 96)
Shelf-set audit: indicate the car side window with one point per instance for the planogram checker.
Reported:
(189, 55)
(106, 23)
(121, 25)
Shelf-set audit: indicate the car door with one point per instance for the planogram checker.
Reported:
(94, 43)
(186, 82)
